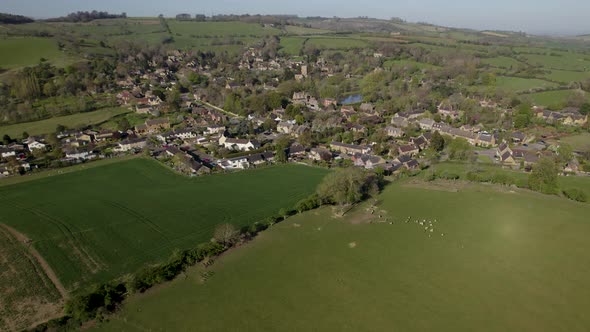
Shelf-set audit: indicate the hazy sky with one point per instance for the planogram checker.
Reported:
(540, 16)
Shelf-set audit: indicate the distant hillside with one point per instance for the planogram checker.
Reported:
(14, 19)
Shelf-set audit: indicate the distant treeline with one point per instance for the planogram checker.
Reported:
(269, 19)
(14, 19)
(86, 16)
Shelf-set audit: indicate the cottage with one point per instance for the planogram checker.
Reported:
(426, 124)
(367, 161)
(211, 130)
(394, 132)
(156, 125)
(320, 154)
(409, 150)
(399, 121)
(349, 148)
(35, 145)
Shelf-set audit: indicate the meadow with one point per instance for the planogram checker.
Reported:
(580, 142)
(100, 223)
(21, 52)
(496, 259)
(501, 62)
(70, 121)
(519, 84)
(408, 64)
(554, 100)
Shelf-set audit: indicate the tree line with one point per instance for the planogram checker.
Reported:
(85, 16)
(14, 19)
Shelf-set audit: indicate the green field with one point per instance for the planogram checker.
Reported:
(103, 222)
(21, 52)
(497, 260)
(579, 142)
(567, 76)
(222, 29)
(28, 296)
(407, 64)
(336, 43)
(292, 45)
(563, 61)
(552, 99)
(501, 62)
(71, 121)
(518, 84)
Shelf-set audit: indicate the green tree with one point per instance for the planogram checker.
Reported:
(543, 178)
(565, 153)
(437, 142)
(346, 186)
(25, 135)
(6, 139)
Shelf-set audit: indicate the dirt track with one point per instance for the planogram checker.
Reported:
(44, 265)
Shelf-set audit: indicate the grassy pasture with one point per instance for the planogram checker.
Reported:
(567, 76)
(70, 121)
(408, 64)
(292, 45)
(297, 30)
(497, 260)
(103, 222)
(521, 84)
(565, 61)
(579, 142)
(336, 42)
(27, 51)
(223, 29)
(503, 62)
(553, 99)
(28, 296)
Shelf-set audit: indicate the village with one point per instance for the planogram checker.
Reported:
(199, 137)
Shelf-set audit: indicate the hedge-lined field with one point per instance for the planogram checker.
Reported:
(497, 259)
(101, 223)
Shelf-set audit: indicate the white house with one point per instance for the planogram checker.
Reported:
(34, 145)
(131, 144)
(234, 163)
(238, 143)
(215, 130)
(6, 152)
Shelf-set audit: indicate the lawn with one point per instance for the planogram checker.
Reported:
(21, 52)
(28, 296)
(518, 84)
(71, 121)
(497, 260)
(103, 222)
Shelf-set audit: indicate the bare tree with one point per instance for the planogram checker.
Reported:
(226, 234)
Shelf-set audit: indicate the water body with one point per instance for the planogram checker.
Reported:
(352, 99)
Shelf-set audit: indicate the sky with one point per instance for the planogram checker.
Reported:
(556, 17)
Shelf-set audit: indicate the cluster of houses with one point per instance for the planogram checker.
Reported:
(570, 116)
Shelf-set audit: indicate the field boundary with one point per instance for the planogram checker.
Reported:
(40, 260)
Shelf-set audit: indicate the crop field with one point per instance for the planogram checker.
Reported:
(20, 52)
(522, 84)
(27, 295)
(70, 121)
(496, 259)
(103, 222)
